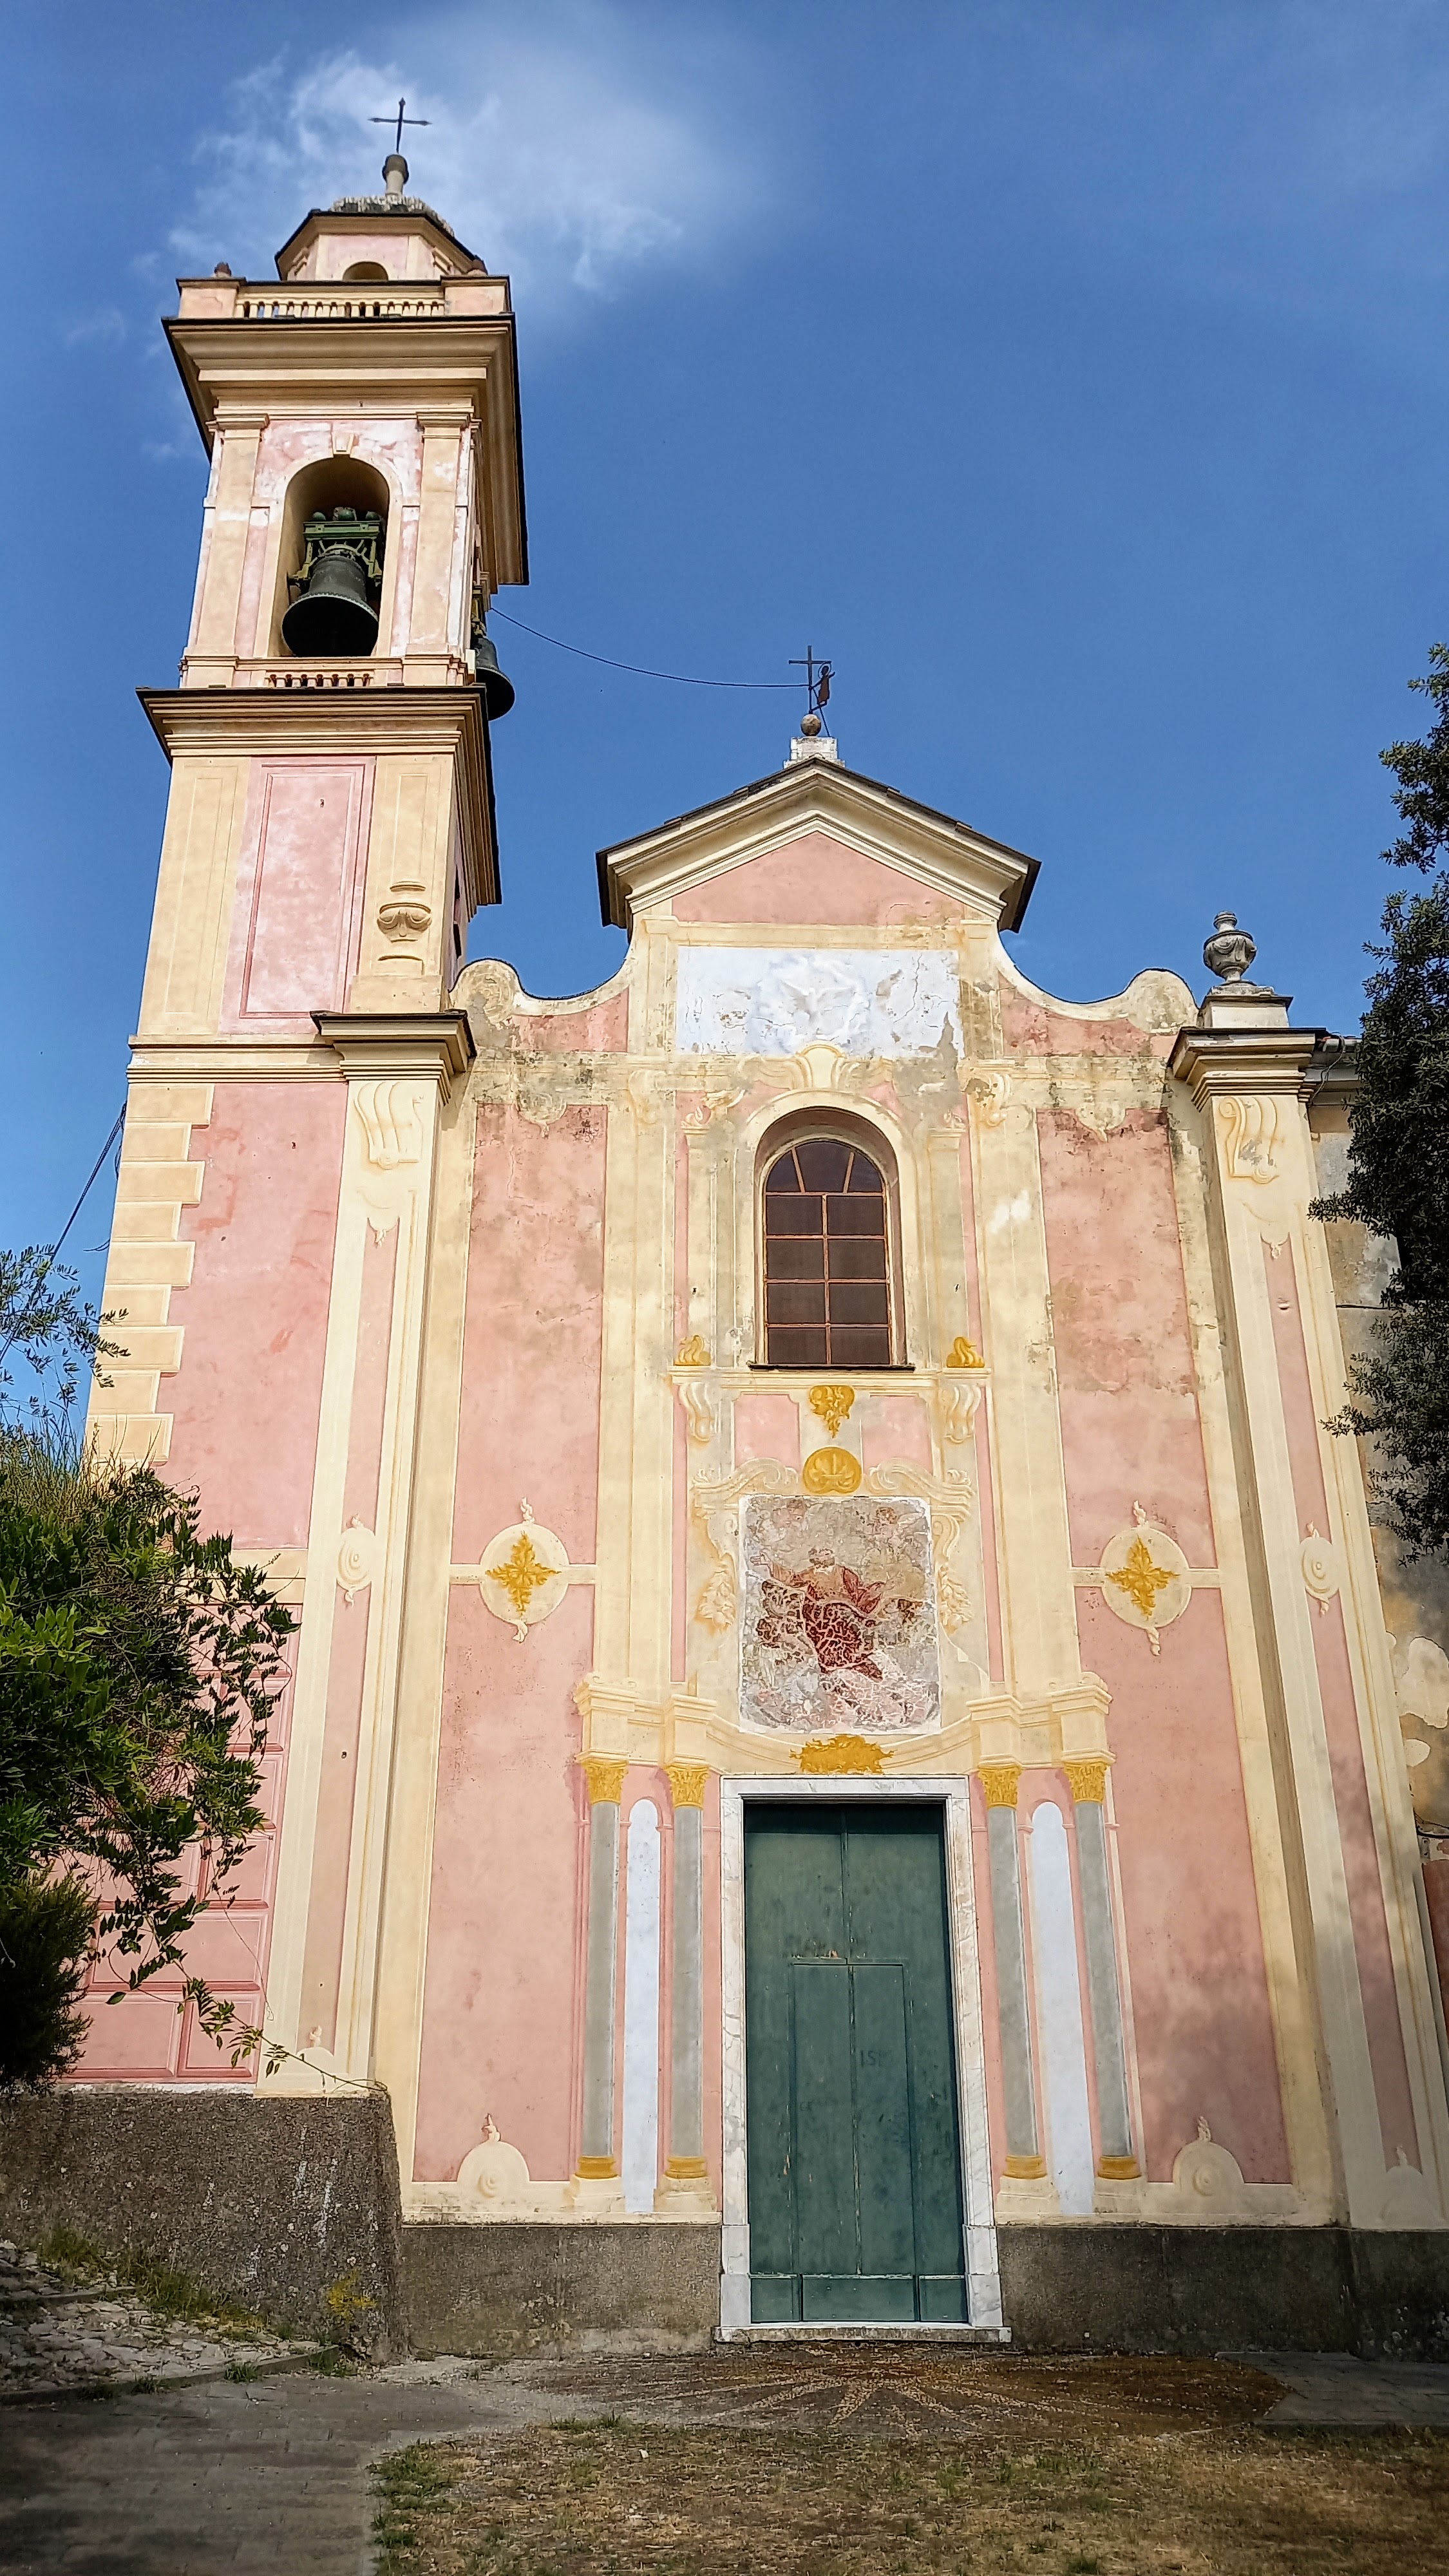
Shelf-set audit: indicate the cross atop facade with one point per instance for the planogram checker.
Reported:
(818, 676)
(400, 121)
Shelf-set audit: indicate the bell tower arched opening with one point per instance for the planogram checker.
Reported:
(319, 492)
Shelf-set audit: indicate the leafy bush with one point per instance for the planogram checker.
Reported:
(138, 1670)
(45, 1938)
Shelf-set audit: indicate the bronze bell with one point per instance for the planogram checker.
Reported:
(494, 687)
(333, 615)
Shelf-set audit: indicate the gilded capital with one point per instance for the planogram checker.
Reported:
(1087, 1781)
(1001, 1781)
(605, 1777)
(688, 1782)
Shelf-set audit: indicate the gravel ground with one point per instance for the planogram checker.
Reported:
(59, 2333)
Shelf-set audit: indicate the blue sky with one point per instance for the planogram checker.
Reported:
(1074, 372)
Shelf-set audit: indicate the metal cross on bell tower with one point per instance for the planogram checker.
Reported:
(818, 676)
(400, 120)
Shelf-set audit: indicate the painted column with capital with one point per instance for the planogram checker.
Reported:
(605, 1780)
(686, 2174)
(1116, 2161)
(1024, 2159)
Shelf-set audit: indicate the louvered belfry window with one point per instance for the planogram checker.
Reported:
(827, 1258)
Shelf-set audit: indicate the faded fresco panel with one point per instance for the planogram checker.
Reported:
(839, 1625)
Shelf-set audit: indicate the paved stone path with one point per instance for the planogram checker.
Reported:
(1331, 2388)
(269, 2478)
(58, 2332)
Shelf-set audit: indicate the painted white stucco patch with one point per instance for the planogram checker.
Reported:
(772, 1001)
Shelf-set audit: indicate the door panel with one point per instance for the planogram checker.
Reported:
(854, 2149)
(822, 2164)
(883, 2119)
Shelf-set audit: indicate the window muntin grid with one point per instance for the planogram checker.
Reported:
(827, 1258)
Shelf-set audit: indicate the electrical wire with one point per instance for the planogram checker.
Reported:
(680, 678)
(85, 1194)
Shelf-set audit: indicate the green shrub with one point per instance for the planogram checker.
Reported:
(45, 1938)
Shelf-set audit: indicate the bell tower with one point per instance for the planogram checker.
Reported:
(296, 1071)
(331, 828)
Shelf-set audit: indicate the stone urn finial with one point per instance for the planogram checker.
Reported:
(1230, 951)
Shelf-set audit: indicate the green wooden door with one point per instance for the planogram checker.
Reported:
(854, 2143)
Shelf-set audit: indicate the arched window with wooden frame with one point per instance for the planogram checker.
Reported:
(830, 1273)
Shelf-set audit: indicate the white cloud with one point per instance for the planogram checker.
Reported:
(102, 329)
(574, 154)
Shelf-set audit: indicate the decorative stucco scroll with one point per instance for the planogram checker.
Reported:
(1209, 2179)
(356, 1558)
(714, 1510)
(960, 1404)
(391, 1116)
(1250, 1137)
(990, 1088)
(1319, 1561)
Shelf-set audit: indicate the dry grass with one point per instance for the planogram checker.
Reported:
(1076, 2476)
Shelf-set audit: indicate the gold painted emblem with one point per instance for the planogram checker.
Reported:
(832, 1404)
(522, 1573)
(1140, 1579)
(964, 1354)
(830, 1471)
(692, 1354)
(843, 1753)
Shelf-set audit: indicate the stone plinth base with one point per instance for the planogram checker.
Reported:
(516, 2285)
(291, 2206)
(1198, 2290)
(283, 2204)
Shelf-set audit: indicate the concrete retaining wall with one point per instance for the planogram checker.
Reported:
(1224, 2289)
(514, 2286)
(271, 2202)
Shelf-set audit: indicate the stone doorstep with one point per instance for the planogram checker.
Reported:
(993, 2337)
(88, 2390)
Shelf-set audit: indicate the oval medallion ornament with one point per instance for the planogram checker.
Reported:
(1145, 1578)
(830, 1471)
(524, 1574)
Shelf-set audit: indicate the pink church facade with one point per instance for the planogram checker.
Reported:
(815, 1380)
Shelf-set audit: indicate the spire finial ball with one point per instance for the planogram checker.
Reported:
(394, 174)
(810, 725)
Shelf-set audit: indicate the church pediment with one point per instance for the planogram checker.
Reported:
(815, 803)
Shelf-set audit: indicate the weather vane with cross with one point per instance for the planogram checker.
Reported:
(818, 676)
(400, 121)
